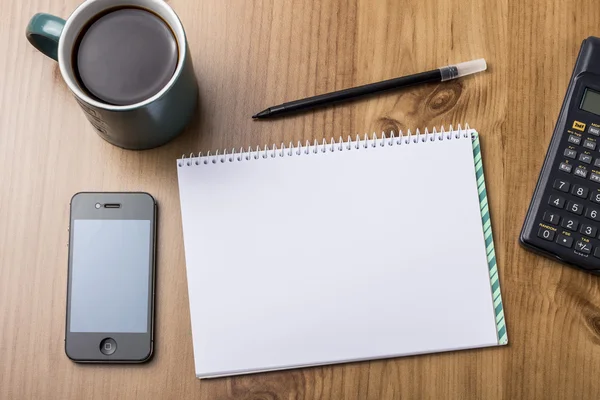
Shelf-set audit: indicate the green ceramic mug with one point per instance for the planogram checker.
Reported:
(146, 124)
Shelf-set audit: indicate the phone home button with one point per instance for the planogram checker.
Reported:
(108, 346)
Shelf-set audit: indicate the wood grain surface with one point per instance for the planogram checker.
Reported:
(252, 54)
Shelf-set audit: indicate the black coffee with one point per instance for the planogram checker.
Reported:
(125, 56)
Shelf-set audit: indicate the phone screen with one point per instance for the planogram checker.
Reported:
(110, 275)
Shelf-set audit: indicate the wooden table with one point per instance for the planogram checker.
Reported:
(252, 54)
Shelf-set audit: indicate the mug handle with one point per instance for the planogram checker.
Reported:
(43, 32)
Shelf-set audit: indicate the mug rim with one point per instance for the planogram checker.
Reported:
(64, 59)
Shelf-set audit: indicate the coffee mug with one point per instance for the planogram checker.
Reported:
(144, 124)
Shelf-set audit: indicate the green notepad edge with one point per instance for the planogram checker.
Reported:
(489, 241)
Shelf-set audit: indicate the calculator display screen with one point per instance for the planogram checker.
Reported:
(591, 101)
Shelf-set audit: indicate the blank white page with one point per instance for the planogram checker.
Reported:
(343, 255)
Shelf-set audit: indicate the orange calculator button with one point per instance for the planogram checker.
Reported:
(580, 126)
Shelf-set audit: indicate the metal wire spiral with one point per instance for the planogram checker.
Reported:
(341, 145)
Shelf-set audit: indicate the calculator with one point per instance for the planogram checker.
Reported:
(563, 220)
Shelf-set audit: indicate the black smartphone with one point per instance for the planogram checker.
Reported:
(110, 288)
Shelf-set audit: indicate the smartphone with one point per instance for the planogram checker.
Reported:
(111, 276)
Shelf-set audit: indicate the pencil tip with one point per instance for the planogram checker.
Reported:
(262, 114)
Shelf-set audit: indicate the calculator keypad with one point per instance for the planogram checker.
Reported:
(551, 218)
(565, 241)
(589, 144)
(585, 158)
(546, 234)
(569, 215)
(583, 247)
(570, 223)
(562, 185)
(575, 208)
(566, 167)
(557, 201)
(581, 171)
(574, 139)
(570, 153)
(593, 214)
(580, 191)
(588, 230)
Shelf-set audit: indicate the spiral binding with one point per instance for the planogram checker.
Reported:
(324, 146)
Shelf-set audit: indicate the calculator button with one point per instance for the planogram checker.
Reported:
(565, 167)
(580, 126)
(581, 171)
(570, 153)
(556, 201)
(551, 218)
(595, 197)
(583, 247)
(574, 139)
(565, 241)
(597, 162)
(588, 230)
(586, 158)
(561, 185)
(571, 224)
(580, 191)
(546, 234)
(595, 177)
(575, 208)
(589, 144)
(597, 252)
(593, 213)
(594, 131)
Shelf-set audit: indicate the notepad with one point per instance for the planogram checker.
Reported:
(339, 251)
